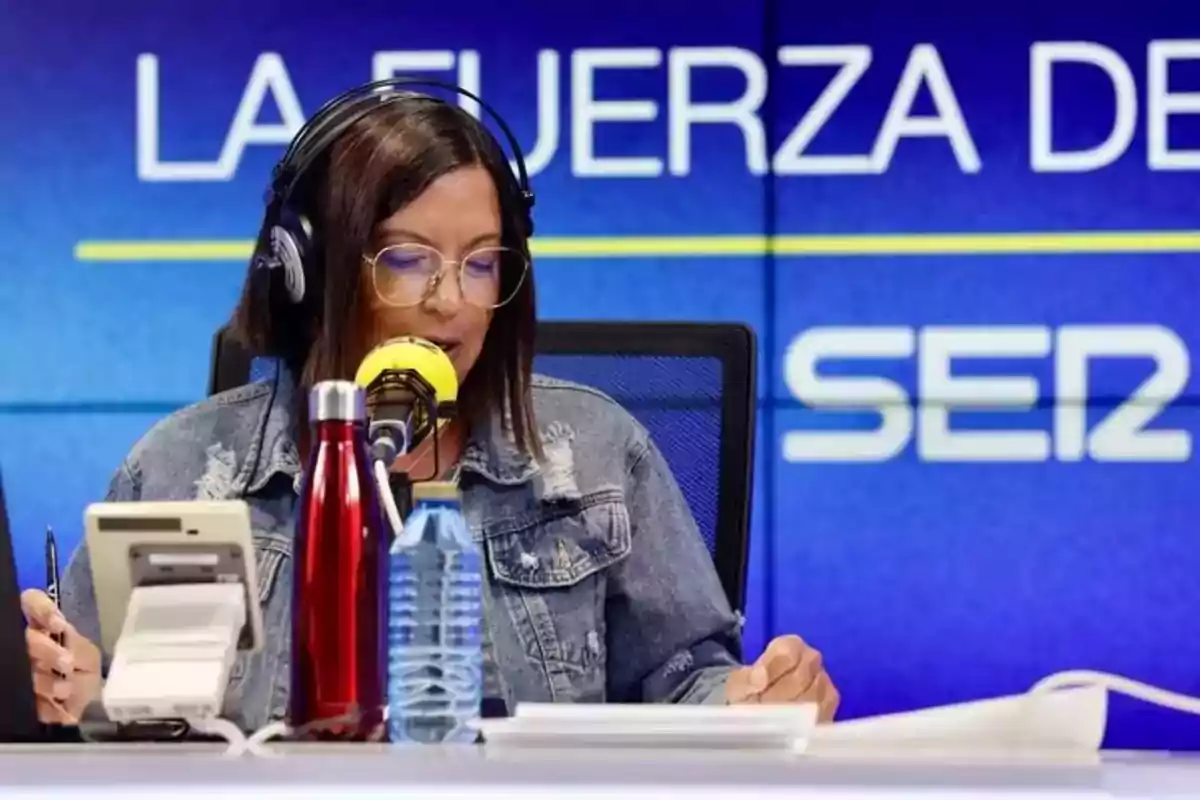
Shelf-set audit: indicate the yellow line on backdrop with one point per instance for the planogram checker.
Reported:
(932, 244)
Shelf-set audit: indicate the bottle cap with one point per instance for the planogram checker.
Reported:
(435, 490)
(337, 400)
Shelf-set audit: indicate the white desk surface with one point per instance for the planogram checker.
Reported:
(173, 771)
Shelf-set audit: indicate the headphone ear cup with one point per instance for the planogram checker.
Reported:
(291, 245)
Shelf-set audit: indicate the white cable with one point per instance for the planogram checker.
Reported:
(219, 726)
(272, 730)
(1121, 685)
(239, 743)
(385, 496)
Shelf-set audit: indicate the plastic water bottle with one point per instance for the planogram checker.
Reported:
(435, 613)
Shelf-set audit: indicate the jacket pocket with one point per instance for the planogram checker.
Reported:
(559, 545)
(550, 569)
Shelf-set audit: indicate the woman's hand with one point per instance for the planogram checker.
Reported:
(66, 677)
(788, 671)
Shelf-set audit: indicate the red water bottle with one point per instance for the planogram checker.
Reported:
(339, 622)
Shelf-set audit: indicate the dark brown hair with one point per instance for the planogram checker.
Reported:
(382, 163)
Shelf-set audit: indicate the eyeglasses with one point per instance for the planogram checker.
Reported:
(406, 275)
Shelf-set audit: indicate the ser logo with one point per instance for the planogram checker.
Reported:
(1121, 435)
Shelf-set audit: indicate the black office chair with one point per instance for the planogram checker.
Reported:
(691, 385)
(231, 365)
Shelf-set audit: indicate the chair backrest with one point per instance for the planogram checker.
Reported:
(691, 385)
(230, 365)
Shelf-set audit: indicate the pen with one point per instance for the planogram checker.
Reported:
(52, 579)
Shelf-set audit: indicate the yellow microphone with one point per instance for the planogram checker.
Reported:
(411, 389)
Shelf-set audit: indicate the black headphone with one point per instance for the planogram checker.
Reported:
(286, 238)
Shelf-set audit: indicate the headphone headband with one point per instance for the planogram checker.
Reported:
(339, 114)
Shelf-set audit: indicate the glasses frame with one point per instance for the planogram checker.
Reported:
(435, 280)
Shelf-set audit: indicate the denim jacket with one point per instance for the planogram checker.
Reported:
(598, 585)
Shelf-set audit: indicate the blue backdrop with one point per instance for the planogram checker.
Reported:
(844, 183)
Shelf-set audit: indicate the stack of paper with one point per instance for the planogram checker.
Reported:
(661, 726)
(1062, 721)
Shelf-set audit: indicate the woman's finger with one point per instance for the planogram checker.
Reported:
(46, 654)
(51, 712)
(41, 612)
(49, 687)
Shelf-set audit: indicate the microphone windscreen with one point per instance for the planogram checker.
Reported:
(418, 355)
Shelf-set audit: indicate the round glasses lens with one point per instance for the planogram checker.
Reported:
(404, 273)
(491, 276)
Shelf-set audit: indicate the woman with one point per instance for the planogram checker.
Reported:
(599, 586)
